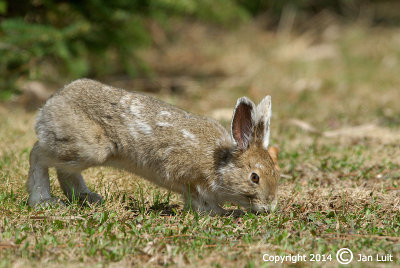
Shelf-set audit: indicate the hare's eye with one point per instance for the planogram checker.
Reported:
(255, 178)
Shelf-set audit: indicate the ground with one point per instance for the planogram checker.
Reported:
(335, 96)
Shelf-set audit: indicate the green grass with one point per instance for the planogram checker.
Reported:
(340, 191)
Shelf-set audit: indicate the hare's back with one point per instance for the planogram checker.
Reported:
(91, 120)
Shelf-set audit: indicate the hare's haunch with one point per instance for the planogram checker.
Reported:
(88, 124)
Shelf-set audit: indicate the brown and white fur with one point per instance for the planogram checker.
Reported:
(88, 124)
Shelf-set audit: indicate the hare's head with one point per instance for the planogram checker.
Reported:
(248, 174)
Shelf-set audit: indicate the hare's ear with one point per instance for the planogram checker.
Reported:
(263, 118)
(243, 120)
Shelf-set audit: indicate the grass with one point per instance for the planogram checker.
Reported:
(337, 191)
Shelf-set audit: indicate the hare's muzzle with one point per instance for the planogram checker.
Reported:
(271, 204)
(267, 208)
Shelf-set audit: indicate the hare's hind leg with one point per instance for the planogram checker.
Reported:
(38, 183)
(74, 187)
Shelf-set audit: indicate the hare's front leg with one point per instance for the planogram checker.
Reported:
(196, 203)
(74, 187)
(38, 183)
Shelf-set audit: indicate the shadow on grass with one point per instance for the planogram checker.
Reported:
(139, 206)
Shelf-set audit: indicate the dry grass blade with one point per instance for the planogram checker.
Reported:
(7, 245)
(304, 125)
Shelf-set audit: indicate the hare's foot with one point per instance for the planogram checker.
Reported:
(235, 213)
(48, 202)
(90, 198)
(75, 189)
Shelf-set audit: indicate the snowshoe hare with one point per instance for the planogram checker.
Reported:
(88, 124)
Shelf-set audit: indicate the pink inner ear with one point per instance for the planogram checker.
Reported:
(242, 125)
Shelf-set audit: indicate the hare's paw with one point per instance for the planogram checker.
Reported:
(45, 203)
(90, 198)
(236, 213)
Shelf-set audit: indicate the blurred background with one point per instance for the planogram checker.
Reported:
(203, 54)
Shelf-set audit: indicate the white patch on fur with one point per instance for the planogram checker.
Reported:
(137, 126)
(214, 185)
(136, 123)
(259, 166)
(163, 124)
(143, 127)
(133, 131)
(125, 99)
(188, 135)
(165, 113)
(199, 190)
(136, 107)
